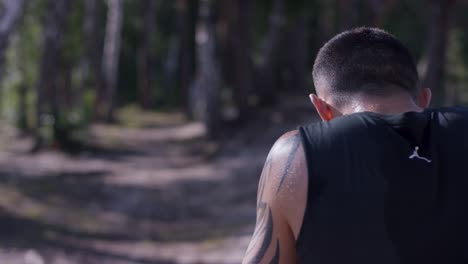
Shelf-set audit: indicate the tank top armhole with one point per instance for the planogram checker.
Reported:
(305, 143)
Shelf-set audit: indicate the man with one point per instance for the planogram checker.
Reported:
(381, 180)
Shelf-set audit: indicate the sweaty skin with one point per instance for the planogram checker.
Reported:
(281, 202)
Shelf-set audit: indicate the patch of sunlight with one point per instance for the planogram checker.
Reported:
(6, 130)
(21, 205)
(135, 117)
(111, 135)
(33, 257)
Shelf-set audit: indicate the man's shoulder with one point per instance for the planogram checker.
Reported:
(286, 143)
(289, 178)
(287, 162)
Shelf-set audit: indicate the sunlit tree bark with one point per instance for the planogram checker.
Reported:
(110, 60)
(205, 91)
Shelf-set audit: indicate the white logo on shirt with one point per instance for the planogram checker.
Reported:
(416, 155)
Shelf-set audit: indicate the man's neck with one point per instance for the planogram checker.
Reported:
(384, 105)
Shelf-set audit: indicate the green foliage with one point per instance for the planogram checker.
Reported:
(411, 25)
(300, 8)
(408, 20)
(73, 47)
(21, 65)
(456, 81)
(165, 30)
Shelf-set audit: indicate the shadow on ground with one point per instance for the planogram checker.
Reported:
(156, 194)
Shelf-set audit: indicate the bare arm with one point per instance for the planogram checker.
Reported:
(281, 185)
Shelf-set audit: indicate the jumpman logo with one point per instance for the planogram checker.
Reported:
(416, 155)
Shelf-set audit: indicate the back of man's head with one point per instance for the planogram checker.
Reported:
(364, 61)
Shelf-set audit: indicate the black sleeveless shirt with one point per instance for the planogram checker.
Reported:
(387, 189)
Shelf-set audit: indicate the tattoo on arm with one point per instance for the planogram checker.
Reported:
(263, 236)
(276, 258)
(264, 226)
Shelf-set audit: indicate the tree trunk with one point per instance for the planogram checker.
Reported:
(91, 63)
(12, 10)
(296, 60)
(63, 100)
(239, 39)
(22, 122)
(437, 48)
(46, 103)
(146, 54)
(326, 20)
(205, 92)
(171, 65)
(269, 68)
(379, 11)
(186, 14)
(110, 60)
(347, 17)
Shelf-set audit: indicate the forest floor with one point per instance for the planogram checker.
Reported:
(152, 191)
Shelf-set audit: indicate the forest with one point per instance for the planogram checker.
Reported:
(68, 64)
(134, 131)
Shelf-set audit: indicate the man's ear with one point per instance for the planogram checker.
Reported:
(323, 109)
(424, 98)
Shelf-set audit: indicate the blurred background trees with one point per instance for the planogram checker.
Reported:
(67, 64)
(12, 12)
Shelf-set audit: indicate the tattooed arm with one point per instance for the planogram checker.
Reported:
(281, 203)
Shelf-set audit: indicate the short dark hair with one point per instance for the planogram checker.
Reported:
(365, 60)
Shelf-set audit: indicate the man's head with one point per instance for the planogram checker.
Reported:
(362, 69)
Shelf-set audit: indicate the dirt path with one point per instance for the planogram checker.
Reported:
(158, 194)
